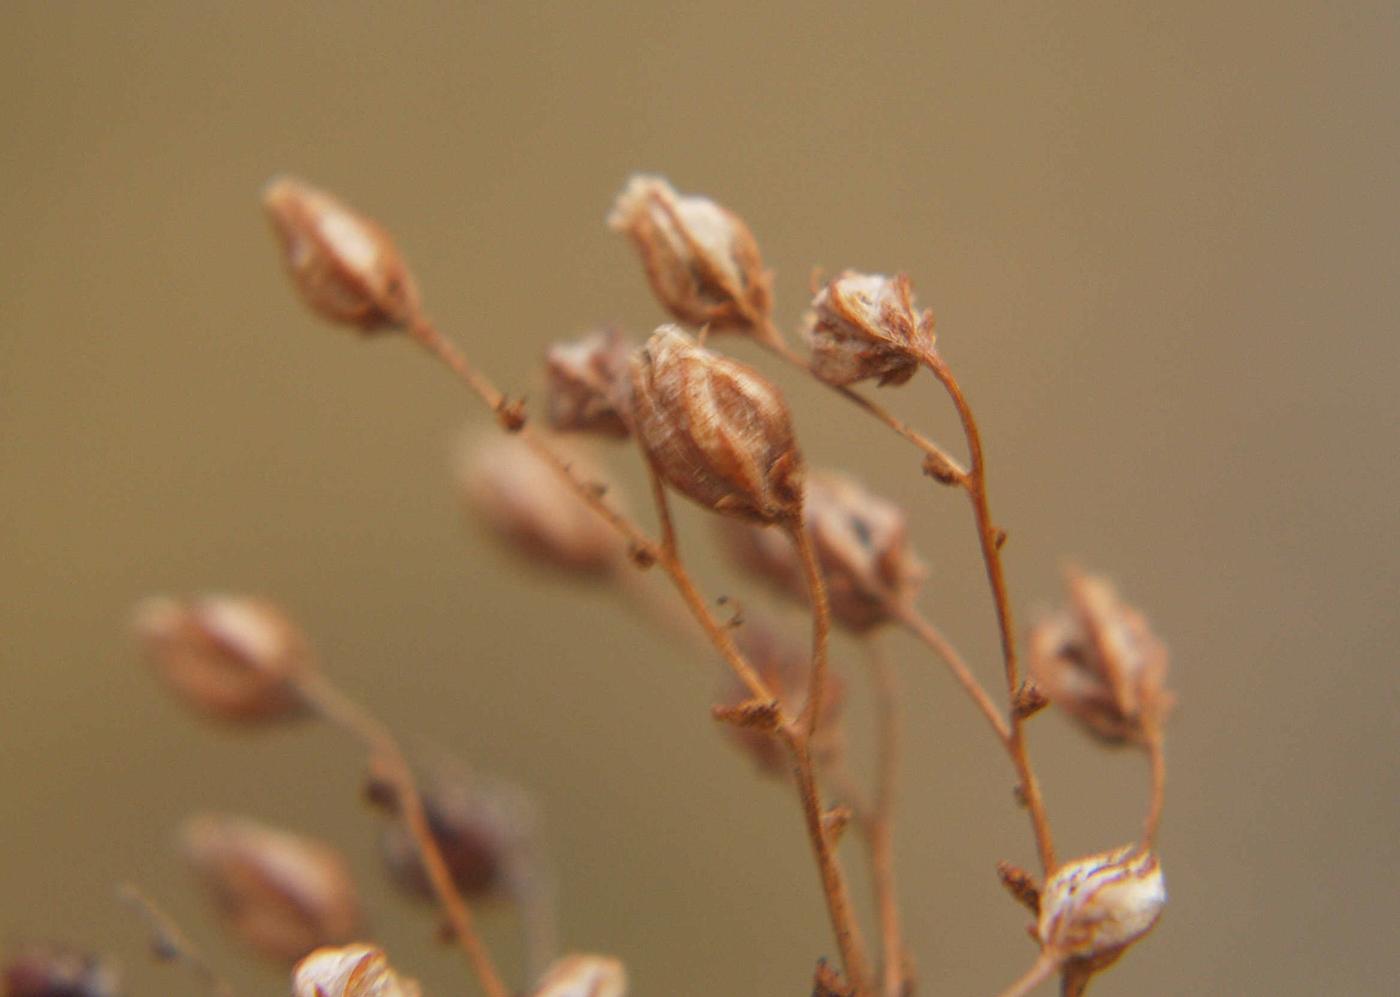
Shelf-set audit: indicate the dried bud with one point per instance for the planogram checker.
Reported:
(865, 325)
(1099, 661)
(785, 667)
(587, 384)
(861, 543)
(229, 657)
(56, 971)
(715, 430)
(700, 258)
(583, 976)
(345, 266)
(482, 830)
(522, 500)
(357, 970)
(280, 893)
(1096, 907)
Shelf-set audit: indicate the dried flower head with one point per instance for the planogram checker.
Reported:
(700, 258)
(715, 429)
(785, 667)
(522, 500)
(280, 893)
(583, 976)
(345, 266)
(862, 545)
(357, 970)
(1096, 907)
(483, 830)
(57, 971)
(227, 656)
(865, 325)
(1098, 660)
(586, 387)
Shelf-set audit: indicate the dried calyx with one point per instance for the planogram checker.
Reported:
(862, 545)
(586, 392)
(700, 258)
(522, 500)
(1098, 660)
(57, 971)
(345, 266)
(231, 657)
(583, 976)
(350, 971)
(280, 893)
(865, 325)
(1094, 908)
(715, 430)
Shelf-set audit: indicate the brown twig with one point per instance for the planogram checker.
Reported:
(1045, 967)
(821, 627)
(933, 637)
(168, 942)
(879, 821)
(1157, 761)
(337, 708)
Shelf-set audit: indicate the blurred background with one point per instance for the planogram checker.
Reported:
(1161, 246)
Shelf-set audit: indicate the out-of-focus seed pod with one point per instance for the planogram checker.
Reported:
(521, 500)
(346, 267)
(229, 657)
(583, 976)
(1100, 662)
(280, 893)
(57, 971)
(715, 429)
(864, 326)
(357, 970)
(701, 259)
(785, 667)
(586, 389)
(1094, 908)
(483, 830)
(862, 545)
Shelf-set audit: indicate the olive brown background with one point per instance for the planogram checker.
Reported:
(1161, 244)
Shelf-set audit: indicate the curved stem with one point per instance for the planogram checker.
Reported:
(975, 484)
(930, 635)
(337, 708)
(1157, 759)
(1044, 968)
(880, 819)
(821, 627)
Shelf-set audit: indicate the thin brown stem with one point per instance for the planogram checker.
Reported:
(169, 943)
(821, 627)
(918, 625)
(989, 539)
(1157, 760)
(879, 822)
(337, 708)
(1045, 967)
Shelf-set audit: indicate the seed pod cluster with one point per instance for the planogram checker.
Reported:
(865, 325)
(701, 259)
(1096, 907)
(350, 971)
(715, 429)
(586, 390)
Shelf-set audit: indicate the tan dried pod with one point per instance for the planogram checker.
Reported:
(522, 501)
(586, 390)
(57, 971)
(701, 259)
(862, 545)
(280, 893)
(231, 657)
(345, 266)
(1095, 907)
(715, 429)
(357, 970)
(583, 976)
(1099, 661)
(865, 325)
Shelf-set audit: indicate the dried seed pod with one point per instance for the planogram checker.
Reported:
(785, 667)
(483, 830)
(1099, 661)
(1094, 908)
(862, 545)
(865, 325)
(345, 266)
(229, 657)
(583, 976)
(280, 893)
(57, 971)
(715, 430)
(586, 389)
(522, 500)
(357, 970)
(700, 258)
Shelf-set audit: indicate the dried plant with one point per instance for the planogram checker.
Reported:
(718, 432)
